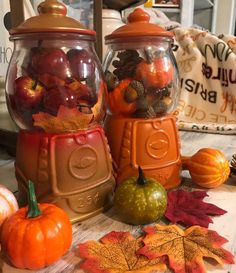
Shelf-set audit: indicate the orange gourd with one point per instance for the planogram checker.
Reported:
(117, 102)
(208, 167)
(36, 236)
(8, 203)
(156, 74)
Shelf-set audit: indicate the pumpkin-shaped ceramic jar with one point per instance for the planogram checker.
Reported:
(53, 69)
(140, 69)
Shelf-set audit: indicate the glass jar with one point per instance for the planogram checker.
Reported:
(140, 69)
(54, 78)
(54, 92)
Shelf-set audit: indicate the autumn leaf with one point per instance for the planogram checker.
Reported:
(116, 253)
(185, 248)
(67, 120)
(189, 208)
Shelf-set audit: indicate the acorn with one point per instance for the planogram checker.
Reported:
(160, 107)
(133, 91)
(144, 110)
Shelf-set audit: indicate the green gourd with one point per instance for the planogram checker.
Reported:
(140, 200)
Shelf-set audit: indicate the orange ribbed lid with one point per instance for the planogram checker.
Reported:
(52, 18)
(138, 26)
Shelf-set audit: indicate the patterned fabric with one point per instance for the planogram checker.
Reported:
(207, 67)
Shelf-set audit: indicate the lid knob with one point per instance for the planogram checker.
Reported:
(138, 15)
(52, 7)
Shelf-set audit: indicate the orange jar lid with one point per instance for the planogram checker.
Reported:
(138, 26)
(52, 18)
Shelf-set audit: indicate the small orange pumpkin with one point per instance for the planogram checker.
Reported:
(157, 74)
(117, 102)
(8, 203)
(208, 167)
(36, 236)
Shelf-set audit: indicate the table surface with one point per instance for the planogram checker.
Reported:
(96, 227)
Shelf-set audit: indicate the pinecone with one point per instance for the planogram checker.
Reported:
(126, 65)
(111, 80)
(233, 164)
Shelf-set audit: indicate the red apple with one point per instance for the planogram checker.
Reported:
(50, 81)
(83, 91)
(52, 61)
(81, 63)
(57, 96)
(28, 93)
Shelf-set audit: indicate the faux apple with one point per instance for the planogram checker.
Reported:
(81, 63)
(50, 81)
(57, 96)
(28, 93)
(83, 91)
(52, 61)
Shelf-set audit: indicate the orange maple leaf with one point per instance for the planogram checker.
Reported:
(116, 253)
(185, 248)
(67, 120)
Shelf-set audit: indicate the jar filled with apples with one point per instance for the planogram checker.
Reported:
(55, 94)
(54, 72)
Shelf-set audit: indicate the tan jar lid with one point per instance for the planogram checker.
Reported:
(52, 18)
(138, 26)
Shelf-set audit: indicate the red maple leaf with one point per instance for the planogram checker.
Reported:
(189, 208)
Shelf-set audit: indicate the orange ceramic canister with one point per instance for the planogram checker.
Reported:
(142, 92)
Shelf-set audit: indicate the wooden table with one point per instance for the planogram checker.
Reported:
(96, 227)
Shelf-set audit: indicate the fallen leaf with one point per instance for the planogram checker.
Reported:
(185, 248)
(67, 120)
(189, 208)
(116, 253)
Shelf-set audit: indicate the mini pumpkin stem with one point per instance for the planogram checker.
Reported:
(141, 178)
(185, 162)
(33, 208)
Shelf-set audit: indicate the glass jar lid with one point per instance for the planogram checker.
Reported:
(138, 26)
(52, 18)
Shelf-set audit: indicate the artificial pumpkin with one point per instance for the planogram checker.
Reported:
(140, 200)
(208, 167)
(116, 99)
(156, 74)
(36, 236)
(8, 203)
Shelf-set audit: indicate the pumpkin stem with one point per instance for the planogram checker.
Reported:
(33, 208)
(185, 162)
(141, 178)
